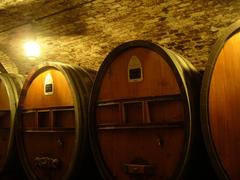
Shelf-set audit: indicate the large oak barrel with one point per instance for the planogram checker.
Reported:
(51, 133)
(143, 115)
(220, 104)
(10, 87)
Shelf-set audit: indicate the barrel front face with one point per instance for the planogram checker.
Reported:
(48, 125)
(224, 107)
(141, 117)
(5, 123)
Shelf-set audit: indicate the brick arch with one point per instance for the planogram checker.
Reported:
(7, 63)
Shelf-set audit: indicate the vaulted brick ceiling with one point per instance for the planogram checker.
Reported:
(84, 31)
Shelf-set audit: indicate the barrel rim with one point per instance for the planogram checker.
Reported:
(95, 91)
(79, 116)
(205, 123)
(12, 93)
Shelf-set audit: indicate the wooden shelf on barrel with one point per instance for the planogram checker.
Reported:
(143, 113)
(53, 119)
(52, 128)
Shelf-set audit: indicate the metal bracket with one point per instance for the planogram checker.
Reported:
(137, 167)
(47, 162)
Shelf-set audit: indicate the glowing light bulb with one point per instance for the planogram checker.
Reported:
(32, 49)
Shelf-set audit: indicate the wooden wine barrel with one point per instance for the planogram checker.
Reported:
(220, 104)
(143, 115)
(10, 87)
(52, 127)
